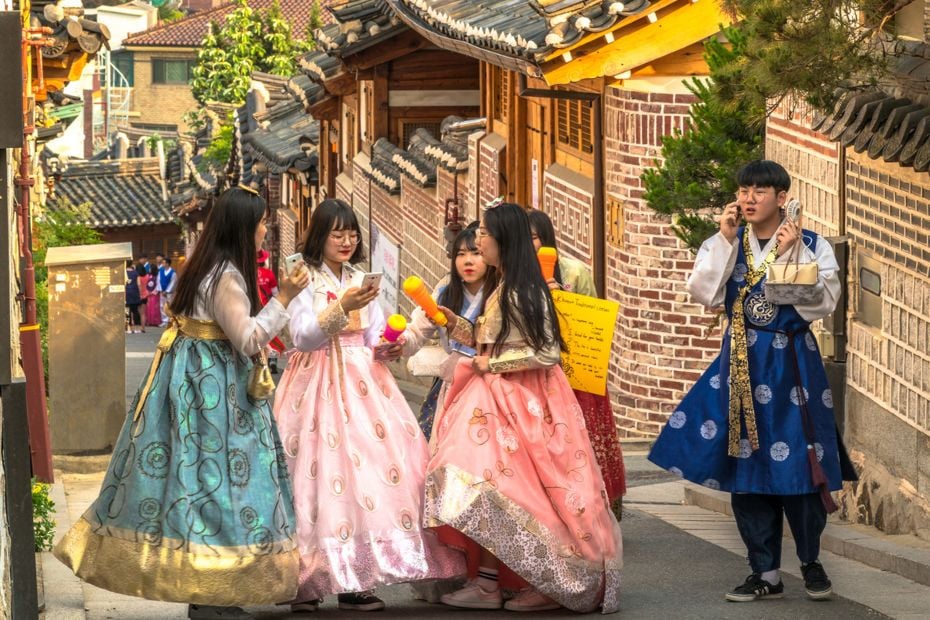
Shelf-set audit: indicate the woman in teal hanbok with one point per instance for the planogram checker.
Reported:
(196, 504)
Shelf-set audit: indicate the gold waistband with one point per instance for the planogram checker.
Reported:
(193, 328)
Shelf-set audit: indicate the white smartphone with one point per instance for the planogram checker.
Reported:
(290, 262)
(372, 280)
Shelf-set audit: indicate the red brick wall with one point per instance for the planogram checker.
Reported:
(386, 213)
(660, 348)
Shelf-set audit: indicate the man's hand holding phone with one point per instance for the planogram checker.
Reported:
(729, 221)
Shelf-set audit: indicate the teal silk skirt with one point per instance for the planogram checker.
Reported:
(196, 504)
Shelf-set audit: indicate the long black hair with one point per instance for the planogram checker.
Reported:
(228, 237)
(331, 214)
(521, 280)
(542, 226)
(453, 295)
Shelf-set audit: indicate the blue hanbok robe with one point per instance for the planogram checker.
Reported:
(784, 362)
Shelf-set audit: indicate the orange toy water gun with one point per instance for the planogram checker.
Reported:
(416, 290)
(548, 257)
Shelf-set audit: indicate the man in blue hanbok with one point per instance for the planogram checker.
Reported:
(759, 422)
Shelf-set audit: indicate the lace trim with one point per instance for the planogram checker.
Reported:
(333, 319)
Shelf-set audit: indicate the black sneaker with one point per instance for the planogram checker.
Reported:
(360, 601)
(754, 588)
(816, 583)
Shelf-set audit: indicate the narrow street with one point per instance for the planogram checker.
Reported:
(679, 559)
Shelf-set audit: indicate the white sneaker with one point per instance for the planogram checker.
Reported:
(530, 599)
(473, 596)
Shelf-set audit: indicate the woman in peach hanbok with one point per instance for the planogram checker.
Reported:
(512, 471)
(353, 447)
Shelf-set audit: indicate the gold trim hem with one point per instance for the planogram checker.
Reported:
(159, 573)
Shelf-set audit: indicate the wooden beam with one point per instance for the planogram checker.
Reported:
(342, 83)
(404, 43)
(689, 61)
(642, 42)
(380, 112)
(327, 109)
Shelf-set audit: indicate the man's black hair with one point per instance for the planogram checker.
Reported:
(764, 173)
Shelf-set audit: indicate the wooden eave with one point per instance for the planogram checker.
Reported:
(325, 110)
(343, 83)
(688, 61)
(638, 42)
(404, 43)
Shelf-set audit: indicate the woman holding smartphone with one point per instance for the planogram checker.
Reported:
(351, 442)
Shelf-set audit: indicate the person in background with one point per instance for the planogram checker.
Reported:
(267, 288)
(463, 289)
(133, 298)
(167, 281)
(573, 276)
(143, 279)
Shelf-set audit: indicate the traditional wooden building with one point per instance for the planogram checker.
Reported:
(577, 96)
(393, 111)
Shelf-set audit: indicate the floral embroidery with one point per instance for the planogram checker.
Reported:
(507, 439)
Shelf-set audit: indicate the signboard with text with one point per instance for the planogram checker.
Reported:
(587, 325)
(385, 257)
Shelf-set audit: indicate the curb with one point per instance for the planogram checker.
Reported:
(81, 464)
(862, 544)
(635, 445)
(64, 594)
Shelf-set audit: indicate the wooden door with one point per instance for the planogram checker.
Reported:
(537, 137)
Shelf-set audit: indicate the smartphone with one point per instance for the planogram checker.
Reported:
(290, 262)
(793, 210)
(372, 280)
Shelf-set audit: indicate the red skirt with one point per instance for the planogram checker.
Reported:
(602, 430)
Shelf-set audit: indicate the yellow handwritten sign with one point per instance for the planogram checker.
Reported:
(587, 325)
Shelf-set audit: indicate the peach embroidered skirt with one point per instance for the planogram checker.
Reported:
(513, 470)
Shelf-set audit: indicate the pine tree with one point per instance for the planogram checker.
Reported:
(698, 173)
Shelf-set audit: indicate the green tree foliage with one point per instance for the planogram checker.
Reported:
(64, 224)
(698, 173)
(807, 50)
(247, 41)
(216, 155)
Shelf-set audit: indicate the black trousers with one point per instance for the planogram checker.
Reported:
(759, 518)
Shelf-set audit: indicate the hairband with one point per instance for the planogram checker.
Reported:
(249, 189)
(496, 202)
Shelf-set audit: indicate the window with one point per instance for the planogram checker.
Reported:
(165, 71)
(573, 125)
(501, 93)
(408, 128)
(122, 68)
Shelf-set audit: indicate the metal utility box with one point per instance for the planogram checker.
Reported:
(86, 345)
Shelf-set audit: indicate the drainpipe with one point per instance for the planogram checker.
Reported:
(593, 99)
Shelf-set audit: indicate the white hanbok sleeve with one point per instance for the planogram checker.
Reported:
(310, 331)
(376, 324)
(828, 288)
(712, 266)
(231, 309)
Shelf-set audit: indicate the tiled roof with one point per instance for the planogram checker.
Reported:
(122, 193)
(527, 29)
(286, 138)
(423, 155)
(891, 122)
(359, 25)
(190, 31)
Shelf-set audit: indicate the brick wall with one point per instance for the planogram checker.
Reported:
(287, 233)
(812, 160)
(163, 104)
(423, 252)
(888, 218)
(660, 347)
(361, 186)
(568, 200)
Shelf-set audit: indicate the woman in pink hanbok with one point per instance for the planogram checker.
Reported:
(353, 447)
(512, 472)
